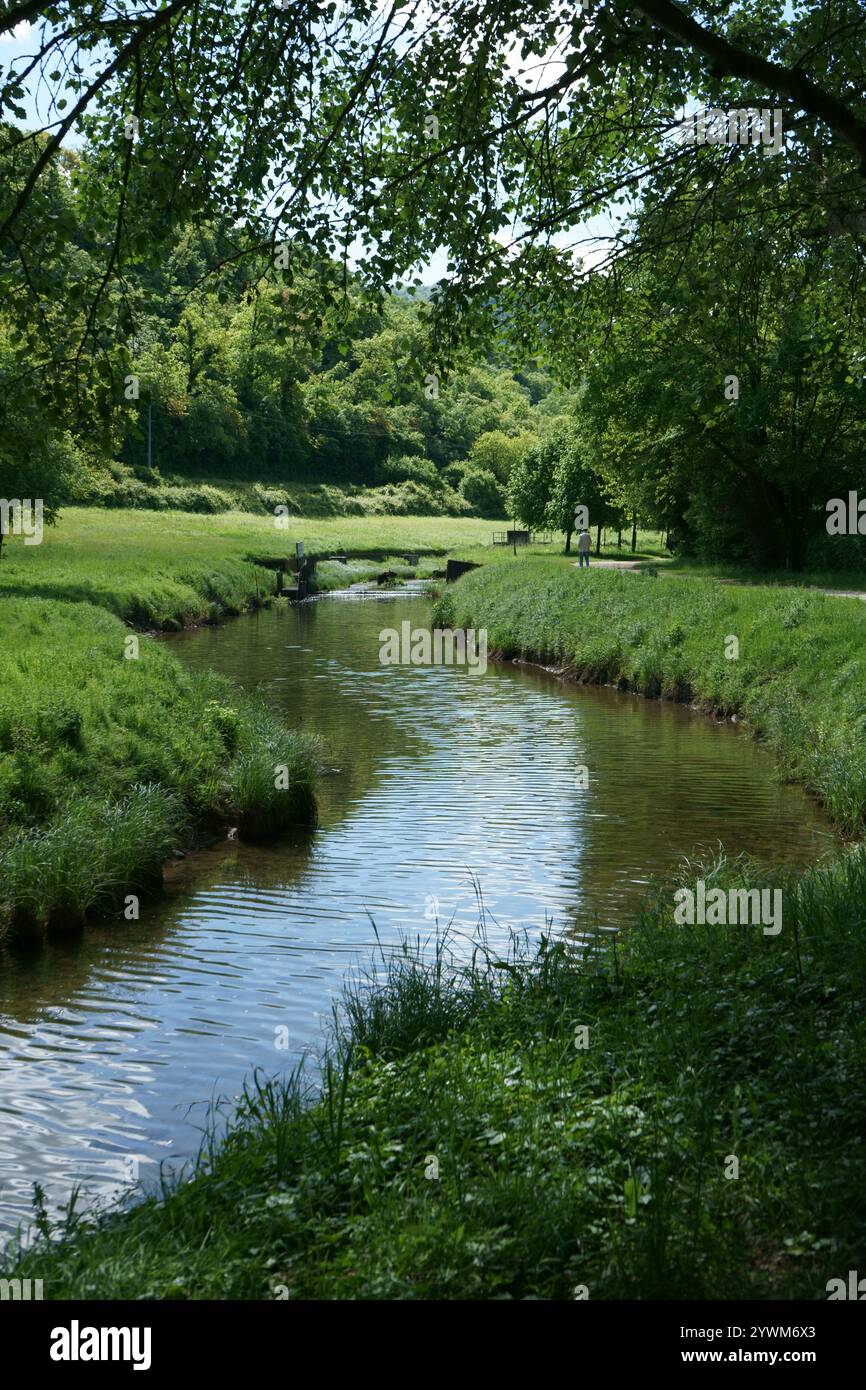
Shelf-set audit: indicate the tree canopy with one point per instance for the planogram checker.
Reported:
(218, 199)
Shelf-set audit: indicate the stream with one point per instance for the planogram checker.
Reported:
(439, 780)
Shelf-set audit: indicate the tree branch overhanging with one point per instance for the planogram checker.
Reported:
(729, 60)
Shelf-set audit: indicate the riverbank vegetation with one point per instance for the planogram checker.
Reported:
(113, 755)
(673, 1112)
(678, 1114)
(790, 662)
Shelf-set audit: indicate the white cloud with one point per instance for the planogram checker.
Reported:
(18, 34)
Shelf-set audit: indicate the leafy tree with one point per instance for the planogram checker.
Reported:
(498, 453)
(730, 402)
(554, 479)
(481, 489)
(48, 476)
(343, 125)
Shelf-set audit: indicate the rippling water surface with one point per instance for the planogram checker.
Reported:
(111, 1048)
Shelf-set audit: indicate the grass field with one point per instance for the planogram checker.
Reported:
(170, 569)
(159, 569)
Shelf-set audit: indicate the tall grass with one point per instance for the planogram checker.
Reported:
(105, 761)
(463, 1142)
(272, 775)
(87, 861)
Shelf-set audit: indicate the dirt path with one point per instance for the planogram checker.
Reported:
(634, 565)
(834, 593)
(609, 564)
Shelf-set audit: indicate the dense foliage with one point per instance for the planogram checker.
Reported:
(214, 252)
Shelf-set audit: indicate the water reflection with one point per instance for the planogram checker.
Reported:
(435, 775)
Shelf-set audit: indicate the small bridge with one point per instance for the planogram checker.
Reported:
(522, 538)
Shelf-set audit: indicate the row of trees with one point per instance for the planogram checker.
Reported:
(240, 377)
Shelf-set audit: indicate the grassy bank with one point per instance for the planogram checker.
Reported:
(677, 1113)
(110, 753)
(168, 570)
(471, 1141)
(798, 676)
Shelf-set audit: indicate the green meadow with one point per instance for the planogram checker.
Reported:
(163, 570)
(170, 569)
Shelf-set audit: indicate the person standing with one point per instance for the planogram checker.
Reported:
(584, 545)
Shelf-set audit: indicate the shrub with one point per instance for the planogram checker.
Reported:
(196, 497)
(409, 468)
(133, 491)
(481, 490)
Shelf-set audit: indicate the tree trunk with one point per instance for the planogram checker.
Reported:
(568, 534)
(619, 539)
(598, 539)
(633, 534)
(797, 538)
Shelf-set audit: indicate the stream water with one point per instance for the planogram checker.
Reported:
(112, 1047)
